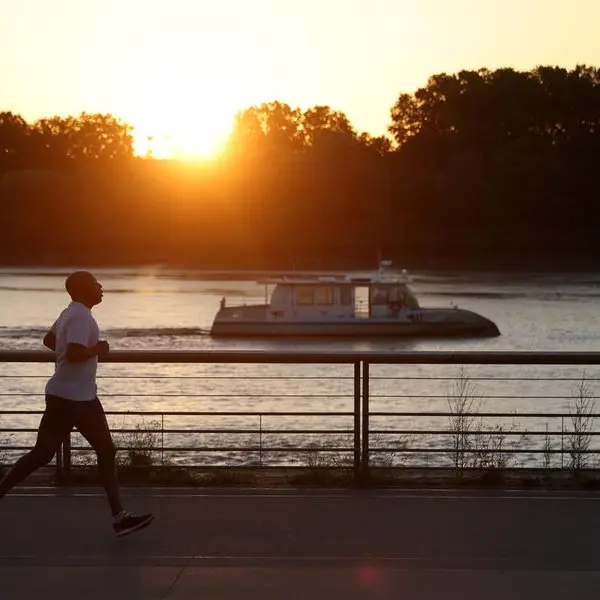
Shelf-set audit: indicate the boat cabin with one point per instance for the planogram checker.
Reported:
(340, 298)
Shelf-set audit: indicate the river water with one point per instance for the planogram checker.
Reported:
(157, 308)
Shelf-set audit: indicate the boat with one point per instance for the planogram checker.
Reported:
(382, 304)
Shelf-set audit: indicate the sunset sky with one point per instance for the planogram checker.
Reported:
(179, 70)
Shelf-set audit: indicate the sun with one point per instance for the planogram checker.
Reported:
(183, 113)
(186, 132)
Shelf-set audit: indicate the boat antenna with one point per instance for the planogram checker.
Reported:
(383, 265)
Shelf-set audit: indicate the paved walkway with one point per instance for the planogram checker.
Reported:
(287, 545)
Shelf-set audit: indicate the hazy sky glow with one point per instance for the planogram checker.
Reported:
(182, 68)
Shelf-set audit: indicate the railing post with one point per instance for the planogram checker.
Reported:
(357, 447)
(162, 439)
(365, 422)
(66, 460)
(562, 442)
(260, 440)
(60, 477)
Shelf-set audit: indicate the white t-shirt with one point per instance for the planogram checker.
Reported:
(74, 380)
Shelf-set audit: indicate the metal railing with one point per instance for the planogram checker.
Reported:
(351, 409)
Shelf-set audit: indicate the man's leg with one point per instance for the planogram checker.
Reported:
(55, 426)
(91, 423)
(93, 426)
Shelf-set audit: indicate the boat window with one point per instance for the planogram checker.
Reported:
(379, 295)
(397, 296)
(305, 295)
(346, 296)
(324, 295)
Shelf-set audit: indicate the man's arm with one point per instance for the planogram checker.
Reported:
(50, 338)
(80, 353)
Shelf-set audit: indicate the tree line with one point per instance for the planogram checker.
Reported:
(486, 168)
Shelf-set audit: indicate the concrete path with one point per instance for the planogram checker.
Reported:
(288, 545)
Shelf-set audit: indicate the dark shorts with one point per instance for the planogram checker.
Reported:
(62, 416)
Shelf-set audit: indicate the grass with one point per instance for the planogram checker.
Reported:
(291, 477)
(581, 409)
(473, 446)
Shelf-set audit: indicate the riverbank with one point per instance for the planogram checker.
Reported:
(518, 266)
(323, 477)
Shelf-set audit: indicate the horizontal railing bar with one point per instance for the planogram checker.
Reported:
(487, 432)
(476, 378)
(263, 449)
(202, 377)
(252, 466)
(258, 395)
(407, 432)
(479, 469)
(292, 432)
(206, 413)
(211, 431)
(315, 377)
(17, 430)
(330, 357)
(267, 449)
(476, 415)
(455, 397)
(141, 413)
(315, 414)
(24, 448)
(233, 431)
(263, 395)
(231, 377)
(491, 451)
(21, 412)
(306, 396)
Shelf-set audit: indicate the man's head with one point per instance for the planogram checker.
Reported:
(83, 287)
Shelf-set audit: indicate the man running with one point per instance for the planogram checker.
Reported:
(72, 401)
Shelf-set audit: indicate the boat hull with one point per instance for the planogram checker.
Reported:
(355, 328)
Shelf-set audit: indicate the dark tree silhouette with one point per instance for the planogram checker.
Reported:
(486, 168)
